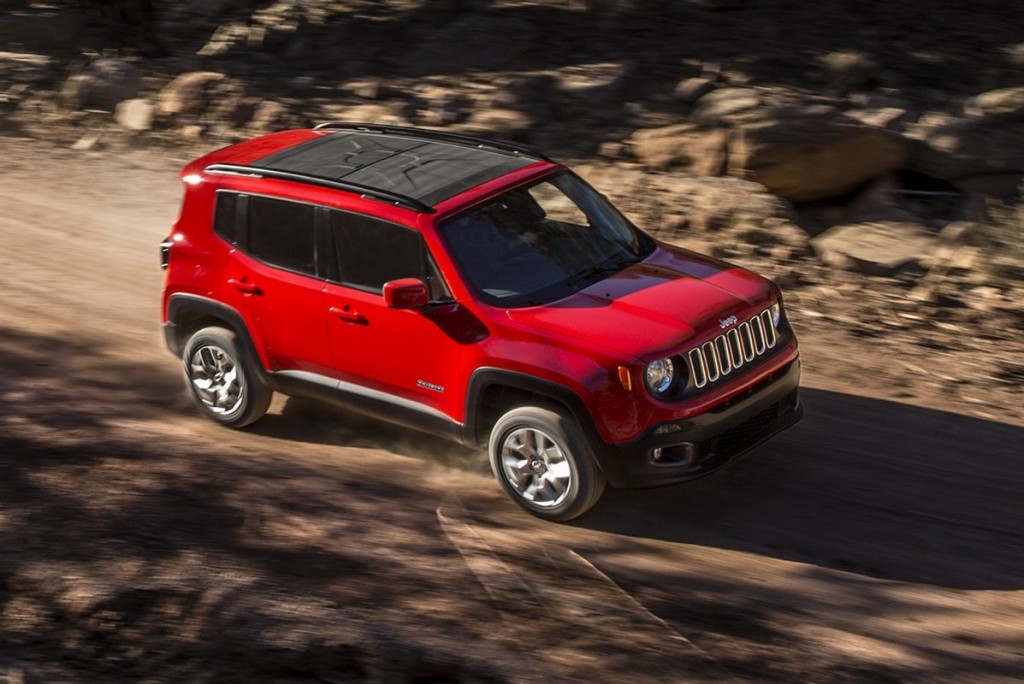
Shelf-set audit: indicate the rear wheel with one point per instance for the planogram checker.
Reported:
(544, 463)
(223, 379)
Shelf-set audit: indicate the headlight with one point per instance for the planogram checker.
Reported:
(776, 310)
(660, 375)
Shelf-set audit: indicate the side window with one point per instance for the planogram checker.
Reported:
(371, 252)
(225, 216)
(283, 233)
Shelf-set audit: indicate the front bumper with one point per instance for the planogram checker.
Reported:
(692, 448)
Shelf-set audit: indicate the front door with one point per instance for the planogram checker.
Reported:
(408, 358)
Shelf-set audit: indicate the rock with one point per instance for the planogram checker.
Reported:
(879, 201)
(529, 93)
(784, 233)
(719, 104)
(1003, 101)
(498, 123)
(814, 158)
(370, 113)
(880, 248)
(612, 149)
(205, 95)
(850, 70)
(966, 151)
(193, 132)
(683, 147)
(234, 110)
(186, 94)
(964, 233)
(1015, 56)
(679, 207)
(135, 114)
(226, 38)
(101, 84)
(366, 88)
(689, 90)
(595, 84)
(26, 68)
(89, 141)
(439, 106)
(888, 118)
(270, 115)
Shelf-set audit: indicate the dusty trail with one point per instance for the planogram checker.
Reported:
(874, 541)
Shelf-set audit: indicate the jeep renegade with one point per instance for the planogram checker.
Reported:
(475, 290)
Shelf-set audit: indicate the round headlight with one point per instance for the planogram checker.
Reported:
(776, 310)
(659, 375)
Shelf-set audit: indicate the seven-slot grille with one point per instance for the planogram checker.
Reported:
(731, 350)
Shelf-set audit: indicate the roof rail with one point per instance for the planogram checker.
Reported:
(365, 190)
(431, 134)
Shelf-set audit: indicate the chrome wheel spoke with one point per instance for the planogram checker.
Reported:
(216, 379)
(535, 467)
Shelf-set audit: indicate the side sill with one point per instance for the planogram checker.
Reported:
(368, 402)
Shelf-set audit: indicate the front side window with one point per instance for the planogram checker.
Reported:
(371, 252)
(542, 242)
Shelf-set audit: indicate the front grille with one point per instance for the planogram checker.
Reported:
(747, 433)
(732, 350)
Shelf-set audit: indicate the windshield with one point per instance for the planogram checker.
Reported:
(542, 242)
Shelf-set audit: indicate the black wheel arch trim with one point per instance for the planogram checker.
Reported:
(475, 431)
(181, 303)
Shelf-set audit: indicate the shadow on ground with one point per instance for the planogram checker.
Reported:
(861, 485)
(124, 554)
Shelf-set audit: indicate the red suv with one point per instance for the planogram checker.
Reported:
(476, 290)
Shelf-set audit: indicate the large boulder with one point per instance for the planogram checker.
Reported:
(814, 157)
(102, 84)
(978, 153)
(722, 104)
(682, 147)
(204, 95)
(877, 248)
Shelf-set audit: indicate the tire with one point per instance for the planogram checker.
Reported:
(544, 463)
(223, 380)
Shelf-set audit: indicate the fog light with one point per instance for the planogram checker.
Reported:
(675, 455)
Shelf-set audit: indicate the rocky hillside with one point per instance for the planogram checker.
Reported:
(867, 154)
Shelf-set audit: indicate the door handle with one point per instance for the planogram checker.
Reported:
(347, 314)
(244, 285)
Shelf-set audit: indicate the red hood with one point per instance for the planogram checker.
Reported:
(652, 308)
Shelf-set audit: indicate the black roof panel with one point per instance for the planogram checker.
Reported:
(429, 171)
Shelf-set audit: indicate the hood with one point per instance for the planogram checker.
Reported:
(655, 306)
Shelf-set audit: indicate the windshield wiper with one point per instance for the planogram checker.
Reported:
(598, 271)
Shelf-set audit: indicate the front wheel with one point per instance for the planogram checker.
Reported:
(223, 380)
(544, 463)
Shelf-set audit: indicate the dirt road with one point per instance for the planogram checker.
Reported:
(876, 541)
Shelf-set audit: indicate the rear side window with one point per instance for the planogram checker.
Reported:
(282, 233)
(225, 217)
(371, 252)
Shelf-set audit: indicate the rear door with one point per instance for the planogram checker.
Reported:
(273, 281)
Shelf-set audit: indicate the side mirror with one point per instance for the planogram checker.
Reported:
(406, 293)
